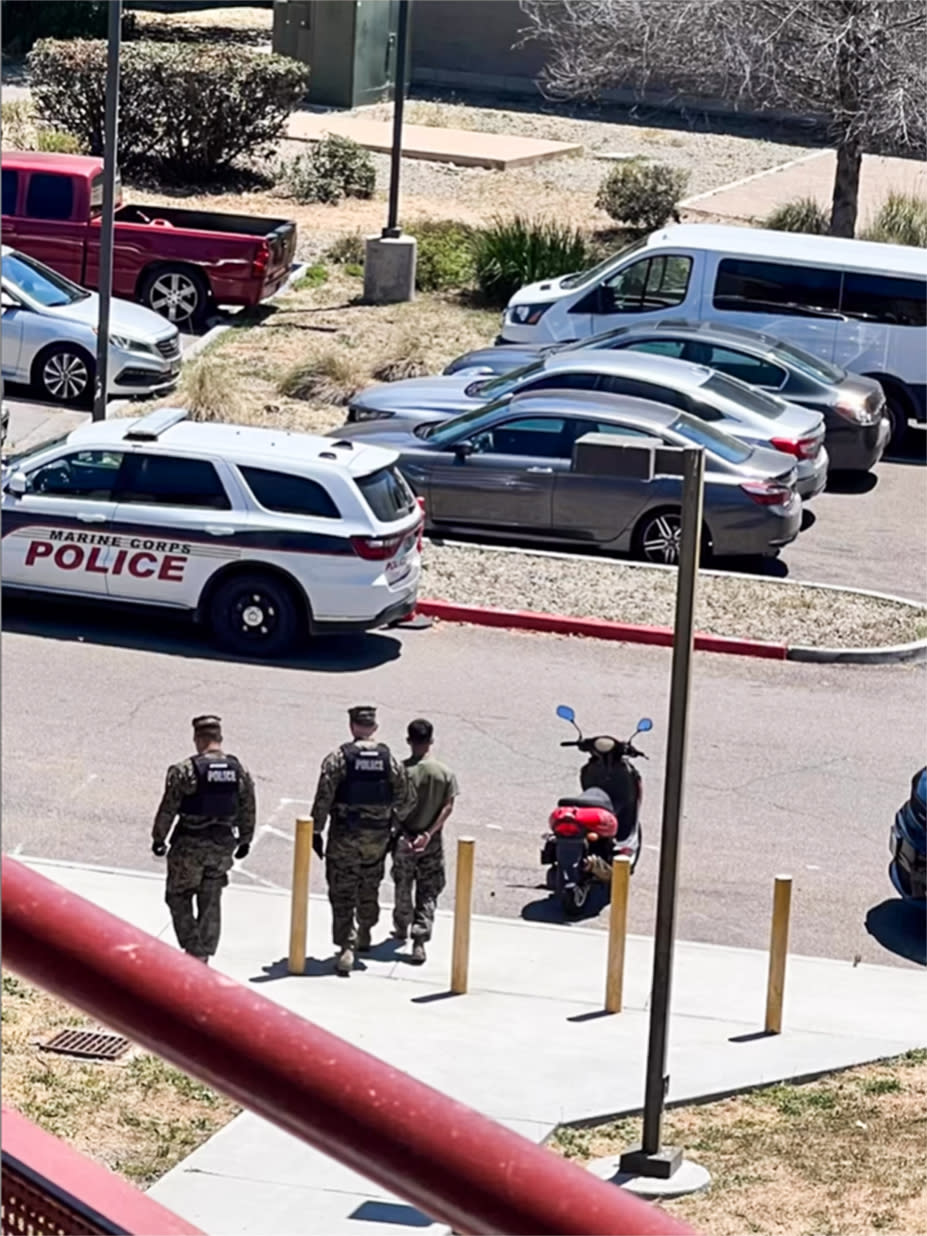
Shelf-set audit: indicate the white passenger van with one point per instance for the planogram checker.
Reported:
(860, 305)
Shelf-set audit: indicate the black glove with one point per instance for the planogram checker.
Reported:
(158, 849)
(318, 845)
(243, 850)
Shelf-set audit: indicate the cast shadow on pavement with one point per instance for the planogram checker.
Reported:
(899, 926)
(391, 1212)
(163, 633)
(317, 967)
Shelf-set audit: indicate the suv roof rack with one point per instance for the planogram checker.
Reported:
(150, 427)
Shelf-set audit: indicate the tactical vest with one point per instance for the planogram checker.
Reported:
(217, 781)
(366, 781)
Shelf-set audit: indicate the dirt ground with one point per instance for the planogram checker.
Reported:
(845, 1155)
(137, 1115)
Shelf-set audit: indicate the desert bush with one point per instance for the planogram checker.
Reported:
(444, 257)
(512, 252)
(193, 108)
(642, 195)
(347, 250)
(209, 391)
(802, 214)
(17, 119)
(332, 377)
(406, 360)
(901, 220)
(335, 168)
(56, 141)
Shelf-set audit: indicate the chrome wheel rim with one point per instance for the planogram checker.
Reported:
(175, 296)
(661, 539)
(65, 376)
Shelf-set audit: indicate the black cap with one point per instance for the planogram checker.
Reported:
(363, 714)
(207, 722)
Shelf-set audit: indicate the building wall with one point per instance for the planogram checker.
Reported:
(469, 44)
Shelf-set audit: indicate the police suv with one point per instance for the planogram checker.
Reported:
(267, 536)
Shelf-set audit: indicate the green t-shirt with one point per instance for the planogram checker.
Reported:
(435, 786)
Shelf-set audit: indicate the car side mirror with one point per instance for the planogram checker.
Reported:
(7, 301)
(463, 450)
(18, 484)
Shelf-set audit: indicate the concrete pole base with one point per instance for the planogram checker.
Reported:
(689, 1177)
(389, 269)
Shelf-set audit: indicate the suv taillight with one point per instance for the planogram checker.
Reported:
(261, 260)
(376, 548)
(767, 493)
(801, 448)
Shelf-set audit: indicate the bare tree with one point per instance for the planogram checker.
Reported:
(860, 65)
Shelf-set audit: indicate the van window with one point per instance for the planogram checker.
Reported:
(745, 286)
(49, 196)
(652, 283)
(883, 298)
(594, 272)
(10, 186)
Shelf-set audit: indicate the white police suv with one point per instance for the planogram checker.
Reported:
(266, 536)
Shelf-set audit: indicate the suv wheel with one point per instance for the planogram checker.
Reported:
(254, 615)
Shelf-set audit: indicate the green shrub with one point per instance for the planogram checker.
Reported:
(512, 252)
(348, 250)
(802, 214)
(642, 195)
(444, 257)
(56, 141)
(193, 108)
(901, 220)
(335, 168)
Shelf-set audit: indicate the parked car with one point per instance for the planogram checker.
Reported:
(266, 537)
(908, 843)
(512, 470)
(860, 305)
(753, 416)
(172, 260)
(856, 428)
(49, 337)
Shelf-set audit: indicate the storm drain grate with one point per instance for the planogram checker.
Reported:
(88, 1044)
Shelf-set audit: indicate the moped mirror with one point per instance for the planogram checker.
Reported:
(566, 713)
(17, 484)
(644, 725)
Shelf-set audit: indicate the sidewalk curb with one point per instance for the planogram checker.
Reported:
(628, 633)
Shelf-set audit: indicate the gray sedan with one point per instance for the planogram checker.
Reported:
(511, 470)
(752, 416)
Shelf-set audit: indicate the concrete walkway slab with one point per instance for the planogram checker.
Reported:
(31, 426)
(465, 147)
(529, 1046)
(752, 199)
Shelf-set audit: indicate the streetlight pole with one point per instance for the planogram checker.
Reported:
(650, 1158)
(110, 151)
(392, 229)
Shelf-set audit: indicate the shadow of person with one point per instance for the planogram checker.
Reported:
(901, 927)
(315, 967)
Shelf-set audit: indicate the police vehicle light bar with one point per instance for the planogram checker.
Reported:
(150, 427)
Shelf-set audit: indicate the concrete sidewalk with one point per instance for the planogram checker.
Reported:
(529, 1046)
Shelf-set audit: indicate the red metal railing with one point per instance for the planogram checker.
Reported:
(454, 1164)
(50, 1188)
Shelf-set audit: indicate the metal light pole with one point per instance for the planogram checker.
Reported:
(650, 1158)
(392, 229)
(111, 140)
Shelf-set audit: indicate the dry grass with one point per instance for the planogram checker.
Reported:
(242, 20)
(138, 1116)
(331, 377)
(406, 360)
(844, 1155)
(209, 391)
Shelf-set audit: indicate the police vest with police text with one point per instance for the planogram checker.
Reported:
(366, 781)
(218, 778)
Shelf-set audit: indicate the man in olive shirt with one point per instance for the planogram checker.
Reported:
(418, 861)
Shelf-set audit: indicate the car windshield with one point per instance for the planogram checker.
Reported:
(602, 268)
(807, 364)
(744, 396)
(443, 433)
(492, 388)
(714, 440)
(35, 281)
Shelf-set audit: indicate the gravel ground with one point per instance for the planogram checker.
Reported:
(731, 605)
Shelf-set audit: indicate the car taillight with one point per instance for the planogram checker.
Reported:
(767, 493)
(261, 260)
(567, 828)
(376, 548)
(801, 448)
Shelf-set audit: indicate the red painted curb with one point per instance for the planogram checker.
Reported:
(594, 628)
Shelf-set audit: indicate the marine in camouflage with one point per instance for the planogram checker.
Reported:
(419, 879)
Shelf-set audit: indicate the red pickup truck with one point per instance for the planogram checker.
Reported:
(175, 261)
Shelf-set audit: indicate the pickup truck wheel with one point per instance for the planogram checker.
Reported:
(177, 293)
(254, 615)
(64, 373)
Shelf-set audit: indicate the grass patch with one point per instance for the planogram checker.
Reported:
(406, 360)
(208, 390)
(331, 377)
(348, 249)
(803, 214)
(901, 220)
(139, 1116)
(842, 1155)
(314, 277)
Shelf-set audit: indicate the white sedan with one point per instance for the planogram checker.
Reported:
(50, 337)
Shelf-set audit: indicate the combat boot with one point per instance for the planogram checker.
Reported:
(363, 940)
(418, 953)
(345, 963)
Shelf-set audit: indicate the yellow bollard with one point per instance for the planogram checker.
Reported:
(463, 899)
(299, 909)
(778, 951)
(617, 934)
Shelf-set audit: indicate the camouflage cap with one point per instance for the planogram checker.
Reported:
(209, 721)
(363, 714)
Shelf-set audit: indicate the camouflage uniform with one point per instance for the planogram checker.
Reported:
(358, 842)
(200, 857)
(420, 877)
